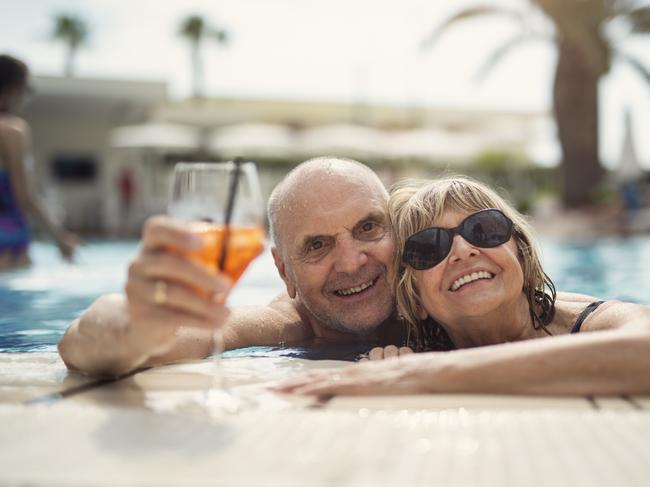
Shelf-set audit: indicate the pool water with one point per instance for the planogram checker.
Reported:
(37, 304)
(606, 268)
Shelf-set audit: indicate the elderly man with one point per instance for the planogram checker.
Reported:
(333, 249)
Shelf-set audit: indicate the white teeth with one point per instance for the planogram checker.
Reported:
(474, 276)
(354, 290)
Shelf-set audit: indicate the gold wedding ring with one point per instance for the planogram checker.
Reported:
(160, 292)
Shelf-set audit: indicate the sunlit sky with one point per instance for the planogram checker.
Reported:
(350, 50)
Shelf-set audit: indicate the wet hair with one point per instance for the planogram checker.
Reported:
(13, 75)
(415, 205)
(315, 166)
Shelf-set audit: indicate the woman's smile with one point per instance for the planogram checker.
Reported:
(470, 278)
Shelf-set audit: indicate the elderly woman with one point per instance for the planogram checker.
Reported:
(470, 287)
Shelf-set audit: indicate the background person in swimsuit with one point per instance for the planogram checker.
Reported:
(18, 195)
(470, 281)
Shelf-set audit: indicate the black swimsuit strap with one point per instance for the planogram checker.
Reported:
(583, 316)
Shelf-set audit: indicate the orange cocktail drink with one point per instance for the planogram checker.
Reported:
(244, 244)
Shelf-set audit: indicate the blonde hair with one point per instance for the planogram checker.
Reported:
(414, 205)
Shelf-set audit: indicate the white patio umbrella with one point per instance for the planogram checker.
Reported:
(146, 148)
(356, 141)
(156, 136)
(254, 140)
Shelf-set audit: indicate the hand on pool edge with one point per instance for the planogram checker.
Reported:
(405, 375)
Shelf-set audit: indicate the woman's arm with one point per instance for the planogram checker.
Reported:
(606, 362)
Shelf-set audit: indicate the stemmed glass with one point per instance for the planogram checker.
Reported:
(223, 203)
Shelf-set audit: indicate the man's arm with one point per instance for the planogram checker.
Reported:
(247, 326)
(171, 307)
(104, 342)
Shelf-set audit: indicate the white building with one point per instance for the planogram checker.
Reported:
(71, 119)
(89, 133)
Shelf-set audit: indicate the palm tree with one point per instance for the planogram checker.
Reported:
(195, 29)
(587, 34)
(73, 32)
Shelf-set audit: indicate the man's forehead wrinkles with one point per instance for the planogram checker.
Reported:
(326, 206)
(372, 216)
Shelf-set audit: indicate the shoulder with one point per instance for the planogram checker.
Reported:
(609, 315)
(278, 322)
(619, 314)
(12, 125)
(575, 298)
(569, 306)
(282, 303)
(14, 133)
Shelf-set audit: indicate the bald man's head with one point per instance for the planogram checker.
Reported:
(315, 174)
(333, 245)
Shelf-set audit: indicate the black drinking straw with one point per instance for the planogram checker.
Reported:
(232, 193)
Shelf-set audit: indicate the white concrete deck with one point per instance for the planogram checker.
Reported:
(154, 428)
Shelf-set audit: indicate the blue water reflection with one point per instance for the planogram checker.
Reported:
(607, 268)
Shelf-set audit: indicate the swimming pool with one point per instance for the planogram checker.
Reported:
(38, 303)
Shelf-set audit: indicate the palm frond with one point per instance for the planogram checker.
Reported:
(466, 14)
(501, 52)
(635, 63)
(71, 29)
(192, 27)
(221, 36)
(639, 19)
(621, 7)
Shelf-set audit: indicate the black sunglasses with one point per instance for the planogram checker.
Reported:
(429, 247)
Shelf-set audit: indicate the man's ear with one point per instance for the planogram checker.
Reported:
(279, 265)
